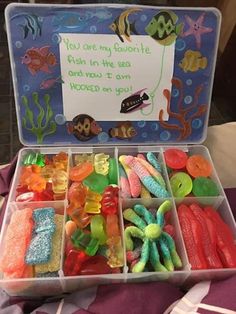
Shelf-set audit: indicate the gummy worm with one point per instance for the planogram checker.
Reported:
(156, 175)
(147, 180)
(153, 161)
(130, 232)
(130, 215)
(124, 183)
(134, 182)
(142, 211)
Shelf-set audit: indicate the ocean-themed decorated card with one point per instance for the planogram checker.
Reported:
(112, 74)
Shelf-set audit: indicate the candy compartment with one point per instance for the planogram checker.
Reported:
(41, 175)
(191, 172)
(31, 231)
(142, 173)
(151, 229)
(209, 233)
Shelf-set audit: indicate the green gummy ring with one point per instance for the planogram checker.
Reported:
(203, 186)
(112, 174)
(181, 184)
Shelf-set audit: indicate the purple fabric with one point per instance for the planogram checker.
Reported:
(153, 297)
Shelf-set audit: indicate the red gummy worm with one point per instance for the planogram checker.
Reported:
(224, 239)
(191, 230)
(210, 252)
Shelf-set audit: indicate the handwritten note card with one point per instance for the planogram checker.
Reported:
(99, 72)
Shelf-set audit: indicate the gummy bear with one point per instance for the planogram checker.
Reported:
(109, 200)
(59, 182)
(101, 163)
(77, 194)
(74, 261)
(92, 204)
(80, 172)
(60, 161)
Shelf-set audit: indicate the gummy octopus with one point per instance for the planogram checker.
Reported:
(149, 230)
(185, 120)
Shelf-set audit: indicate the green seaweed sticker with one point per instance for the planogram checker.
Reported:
(42, 124)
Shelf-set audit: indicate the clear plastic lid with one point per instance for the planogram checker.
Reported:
(112, 74)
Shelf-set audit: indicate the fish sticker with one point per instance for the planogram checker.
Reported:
(39, 59)
(134, 102)
(51, 82)
(122, 27)
(123, 130)
(163, 27)
(193, 61)
(83, 127)
(70, 20)
(32, 24)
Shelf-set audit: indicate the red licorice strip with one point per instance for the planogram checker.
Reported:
(224, 239)
(190, 230)
(210, 252)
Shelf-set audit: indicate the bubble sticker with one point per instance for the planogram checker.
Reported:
(188, 100)
(26, 88)
(154, 126)
(103, 137)
(56, 38)
(143, 17)
(175, 92)
(18, 44)
(180, 44)
(93, 29)
(165, 136)
(197, 123)
(189, 82)
(60, 119)
(144, 135)
(141, 124)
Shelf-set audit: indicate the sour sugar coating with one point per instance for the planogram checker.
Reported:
(134, 182)
(124, 183)
(101, 163)
(153, 172)
(154, 187)
(154, 162)
(145, 194)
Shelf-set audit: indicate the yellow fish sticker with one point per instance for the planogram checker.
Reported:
(193, 61)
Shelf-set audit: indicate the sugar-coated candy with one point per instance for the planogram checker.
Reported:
(59, 182)
(175, 158)
(80, 172)
(39, 250)
(98, 228)
(96, 182)
(124, 183)
(44, 219)
(109, 200)
(113, 171)
(74, 261)
(134, 181)
(92, 203)
(154, 161)
(101, 163)
(77, 194)
(203, 186)
(53, 264)
(152, 185)
(153, 172)
(181, 184)
(16, 241)
(198, 166)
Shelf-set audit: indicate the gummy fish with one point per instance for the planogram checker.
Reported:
(193, 61)
(163, 27)
(121, 25)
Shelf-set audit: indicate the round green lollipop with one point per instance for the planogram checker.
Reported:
(181, 184)
(203, 186)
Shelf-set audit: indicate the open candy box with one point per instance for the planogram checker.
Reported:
(102, 193)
